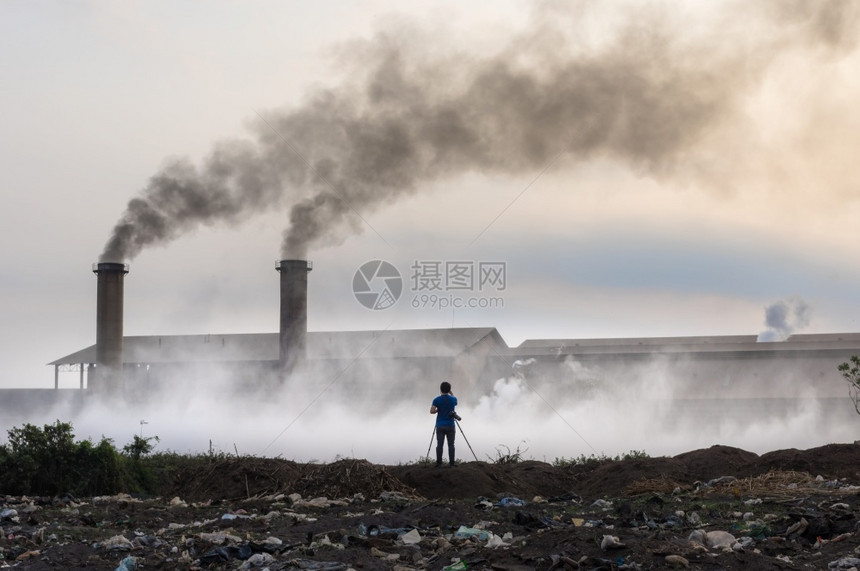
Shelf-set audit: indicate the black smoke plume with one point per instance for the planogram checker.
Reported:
(646, 96)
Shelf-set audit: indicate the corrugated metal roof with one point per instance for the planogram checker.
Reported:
(423, 343)
(708, 344)
(403, 343)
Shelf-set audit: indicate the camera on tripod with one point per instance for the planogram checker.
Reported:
(453, 414)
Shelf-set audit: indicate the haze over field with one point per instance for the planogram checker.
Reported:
(640, 168)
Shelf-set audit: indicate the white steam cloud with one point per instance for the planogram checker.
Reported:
(565, 410)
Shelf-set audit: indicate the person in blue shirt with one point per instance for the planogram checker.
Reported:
(443, 406)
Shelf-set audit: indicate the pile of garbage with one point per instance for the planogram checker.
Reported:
(284, 535)
(355, 515)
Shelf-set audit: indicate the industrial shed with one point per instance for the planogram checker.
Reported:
(728, 366)
(398, 360)
(400, 364)
(731, 366)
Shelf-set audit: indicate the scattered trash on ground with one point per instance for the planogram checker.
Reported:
(413, 517)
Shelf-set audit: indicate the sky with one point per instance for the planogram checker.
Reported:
(638, 169)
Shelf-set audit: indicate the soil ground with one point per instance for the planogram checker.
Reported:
(788, 509)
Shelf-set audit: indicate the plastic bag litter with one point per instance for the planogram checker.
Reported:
(220, 554)
(10, 514)
(229, 516)
(258, 560)
(117, 542)
(716, 539)
(378, 530)
(318, 565)
(411, 537)
(511, 503)
(219, 537)
(844, 563)
(484, 504)
(470, 532)
(611, 542)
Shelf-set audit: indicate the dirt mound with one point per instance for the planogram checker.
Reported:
(614, 477)
(610, 478)
(239, 478)
(473, 479)
(345, 478)
(235, 478)
(248, 477)
(709, 463)
(830, 461)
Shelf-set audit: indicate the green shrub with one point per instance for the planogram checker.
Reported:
(139, 476)
(594, 460)
(97, 469)
(48, 461)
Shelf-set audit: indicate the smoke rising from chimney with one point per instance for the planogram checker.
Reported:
(783, 318)
(647, 96)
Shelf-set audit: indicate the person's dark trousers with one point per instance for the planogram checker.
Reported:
(443, 432)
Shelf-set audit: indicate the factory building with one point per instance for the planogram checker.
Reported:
(407, 363)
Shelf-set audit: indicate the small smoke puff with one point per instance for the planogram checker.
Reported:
(784, 318)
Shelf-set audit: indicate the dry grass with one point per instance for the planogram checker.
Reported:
(346, 478)
(774, 484)
(660, 485)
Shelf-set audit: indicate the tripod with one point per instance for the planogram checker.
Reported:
(433, 435)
